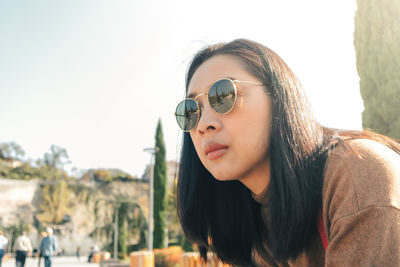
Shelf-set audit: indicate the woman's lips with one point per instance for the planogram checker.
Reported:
(214, 151)
(217, 153)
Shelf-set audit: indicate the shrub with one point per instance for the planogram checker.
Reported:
(167, 257)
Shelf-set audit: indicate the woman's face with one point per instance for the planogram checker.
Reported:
(233, 145)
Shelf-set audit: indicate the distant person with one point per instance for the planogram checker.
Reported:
(78, 253)
(22, 247)
(48, 247)
(3, 244)
(43, 235)
(93, 250)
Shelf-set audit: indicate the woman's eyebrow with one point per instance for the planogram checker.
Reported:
(191, 95)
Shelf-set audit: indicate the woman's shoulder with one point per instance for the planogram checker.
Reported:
(362, 152)
(360, 173)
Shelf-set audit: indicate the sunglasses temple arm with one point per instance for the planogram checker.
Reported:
(237, 81)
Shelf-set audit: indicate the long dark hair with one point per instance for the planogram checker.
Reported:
(223, 216)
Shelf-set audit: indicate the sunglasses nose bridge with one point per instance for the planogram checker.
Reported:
(201, 104)
(197, 96)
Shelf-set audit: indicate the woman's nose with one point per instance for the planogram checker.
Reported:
(209, 120)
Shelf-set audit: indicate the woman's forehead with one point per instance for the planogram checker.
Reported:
(215, 68)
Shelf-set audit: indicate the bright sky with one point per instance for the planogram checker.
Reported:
(94, 76)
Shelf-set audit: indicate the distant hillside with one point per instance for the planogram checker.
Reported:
(17, 199)
(38, 194)
(21, 201)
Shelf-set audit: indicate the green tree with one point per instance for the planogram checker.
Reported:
(54, 202)
(11, 151)
(160, 191)
(57, 157)
(377, 44)
(132, 223)
(23, 172)
(107, 175)
(48, 168)
(122, 229)
(51, 167)
(13, 231)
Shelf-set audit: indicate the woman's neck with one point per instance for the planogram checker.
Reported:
(258, 179)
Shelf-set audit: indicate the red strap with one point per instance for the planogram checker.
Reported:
(321, 231)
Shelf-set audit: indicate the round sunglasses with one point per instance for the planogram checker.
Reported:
(222, 96)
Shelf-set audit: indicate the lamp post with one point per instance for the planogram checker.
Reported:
(152, 151)
(116, 203)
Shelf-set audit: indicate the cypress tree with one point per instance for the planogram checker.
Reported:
(377, 44)
(160, 191)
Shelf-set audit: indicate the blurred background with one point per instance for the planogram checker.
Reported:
(86, 86)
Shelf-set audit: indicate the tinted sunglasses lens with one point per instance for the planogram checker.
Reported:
(187, 114)
(222, 96)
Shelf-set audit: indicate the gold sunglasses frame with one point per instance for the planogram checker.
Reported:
(233, 82)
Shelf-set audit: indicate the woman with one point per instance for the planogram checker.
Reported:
(258, 173)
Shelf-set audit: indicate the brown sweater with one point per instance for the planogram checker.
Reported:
(360, 209)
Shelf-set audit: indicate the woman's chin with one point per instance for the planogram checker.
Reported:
(224, 177)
